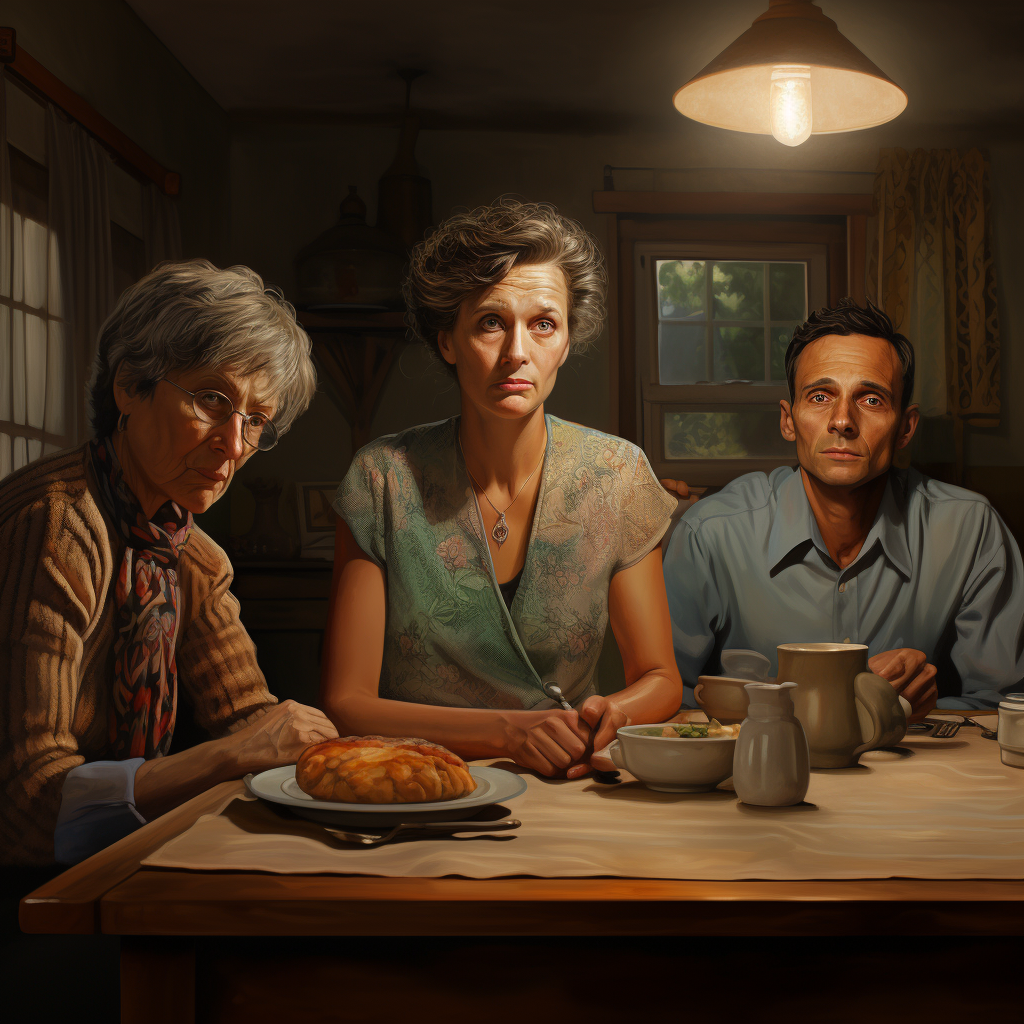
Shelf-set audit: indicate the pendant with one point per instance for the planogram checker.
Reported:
(500, 531)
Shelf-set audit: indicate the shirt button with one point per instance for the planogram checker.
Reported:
(842, 588)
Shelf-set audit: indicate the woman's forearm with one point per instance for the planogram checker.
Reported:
(654, 697)
(469, 732)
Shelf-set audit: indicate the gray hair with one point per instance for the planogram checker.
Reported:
(476, 249)
(184, 316)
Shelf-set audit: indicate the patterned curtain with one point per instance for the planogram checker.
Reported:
(931, 270)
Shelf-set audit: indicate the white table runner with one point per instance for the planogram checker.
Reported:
(940, 809)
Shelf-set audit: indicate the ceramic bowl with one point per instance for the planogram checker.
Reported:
(722, 697)
(673, 765)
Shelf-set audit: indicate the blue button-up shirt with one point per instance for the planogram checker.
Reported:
(938, 571)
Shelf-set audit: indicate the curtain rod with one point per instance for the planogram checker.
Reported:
(31, 71)
(774, 170)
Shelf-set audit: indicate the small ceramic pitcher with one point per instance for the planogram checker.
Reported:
(771, 766)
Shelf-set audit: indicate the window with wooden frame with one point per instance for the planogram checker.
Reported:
(35, 364)
(706, 292)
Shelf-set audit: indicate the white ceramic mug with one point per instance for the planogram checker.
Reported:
(844, 708)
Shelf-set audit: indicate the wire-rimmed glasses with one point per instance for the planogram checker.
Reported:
(258, 430)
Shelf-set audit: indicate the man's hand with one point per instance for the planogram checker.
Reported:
(279, 737)
(605, 718)
(545, 741)
(676, 487)
(912, 677)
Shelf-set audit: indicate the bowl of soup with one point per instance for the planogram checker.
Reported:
(676, 757)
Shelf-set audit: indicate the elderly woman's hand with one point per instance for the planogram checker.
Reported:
(279, 737)
(548, 742)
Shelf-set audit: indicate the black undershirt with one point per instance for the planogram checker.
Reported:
(508, 590)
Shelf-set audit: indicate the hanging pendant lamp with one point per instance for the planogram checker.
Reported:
(791, 74)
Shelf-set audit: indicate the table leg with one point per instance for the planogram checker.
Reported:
(158, 980)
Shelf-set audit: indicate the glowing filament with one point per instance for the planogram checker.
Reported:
(791, 103)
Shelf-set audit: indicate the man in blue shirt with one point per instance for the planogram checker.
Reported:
(846, 548)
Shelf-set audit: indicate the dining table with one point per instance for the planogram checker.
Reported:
(232, 908)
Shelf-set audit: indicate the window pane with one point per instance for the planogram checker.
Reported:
(782, 335)
(5, 363)
(681, 356)
(738, 292)
(56, 296)
(681, 289)
(18, 364)
(739, 353)
(787, 291)
(5, 251)
(35, 254)
(55, 383)
(35, 370)
(5, 455)
(17, 266)
(35, 449)
(20, 456)
(749, 433)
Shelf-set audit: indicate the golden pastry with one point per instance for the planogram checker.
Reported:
(382, 770)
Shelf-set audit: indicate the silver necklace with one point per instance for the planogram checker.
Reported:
(500, 531)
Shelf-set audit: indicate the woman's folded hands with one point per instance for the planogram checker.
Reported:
(558, 742)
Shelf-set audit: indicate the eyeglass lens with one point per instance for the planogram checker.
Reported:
(215, 408)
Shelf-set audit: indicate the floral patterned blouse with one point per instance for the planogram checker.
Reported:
(449, 638)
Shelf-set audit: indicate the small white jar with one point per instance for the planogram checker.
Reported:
(1011, 730)
(771, 765)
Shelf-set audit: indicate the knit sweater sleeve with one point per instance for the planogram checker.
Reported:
(215, 656)
(49, 600)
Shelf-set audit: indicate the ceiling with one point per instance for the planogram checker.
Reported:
(558, 65)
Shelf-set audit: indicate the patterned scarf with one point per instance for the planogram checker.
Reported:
(146, 595)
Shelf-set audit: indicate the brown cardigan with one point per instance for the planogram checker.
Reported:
(58, 556)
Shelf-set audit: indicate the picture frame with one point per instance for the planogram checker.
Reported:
(316, 518)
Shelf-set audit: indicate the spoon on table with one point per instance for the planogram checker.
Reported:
(555, 693)
(988, 734)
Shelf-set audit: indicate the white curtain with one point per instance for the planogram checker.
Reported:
(80, 218)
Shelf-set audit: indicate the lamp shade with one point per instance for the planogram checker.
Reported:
(734, 90)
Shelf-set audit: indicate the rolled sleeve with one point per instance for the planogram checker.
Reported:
(989, 648)
(694, 604)
(97, 808)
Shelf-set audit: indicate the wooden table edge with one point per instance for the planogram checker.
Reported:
(69, 903)
(164, 902)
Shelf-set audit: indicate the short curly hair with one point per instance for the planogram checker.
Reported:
(476, 249)
(191, 314)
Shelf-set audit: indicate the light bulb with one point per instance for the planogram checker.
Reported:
(791, 103)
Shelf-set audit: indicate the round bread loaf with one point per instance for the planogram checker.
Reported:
(382, 770)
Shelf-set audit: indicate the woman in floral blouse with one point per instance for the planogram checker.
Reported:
(482, 557)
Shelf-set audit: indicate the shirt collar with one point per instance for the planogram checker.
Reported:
(794, 524)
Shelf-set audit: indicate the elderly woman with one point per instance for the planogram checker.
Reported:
(480, 559)
(112, 601)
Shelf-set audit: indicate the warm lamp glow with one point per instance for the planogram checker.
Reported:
(790, 103)
(764, 82)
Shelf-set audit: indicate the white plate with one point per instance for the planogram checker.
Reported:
(278, 785)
